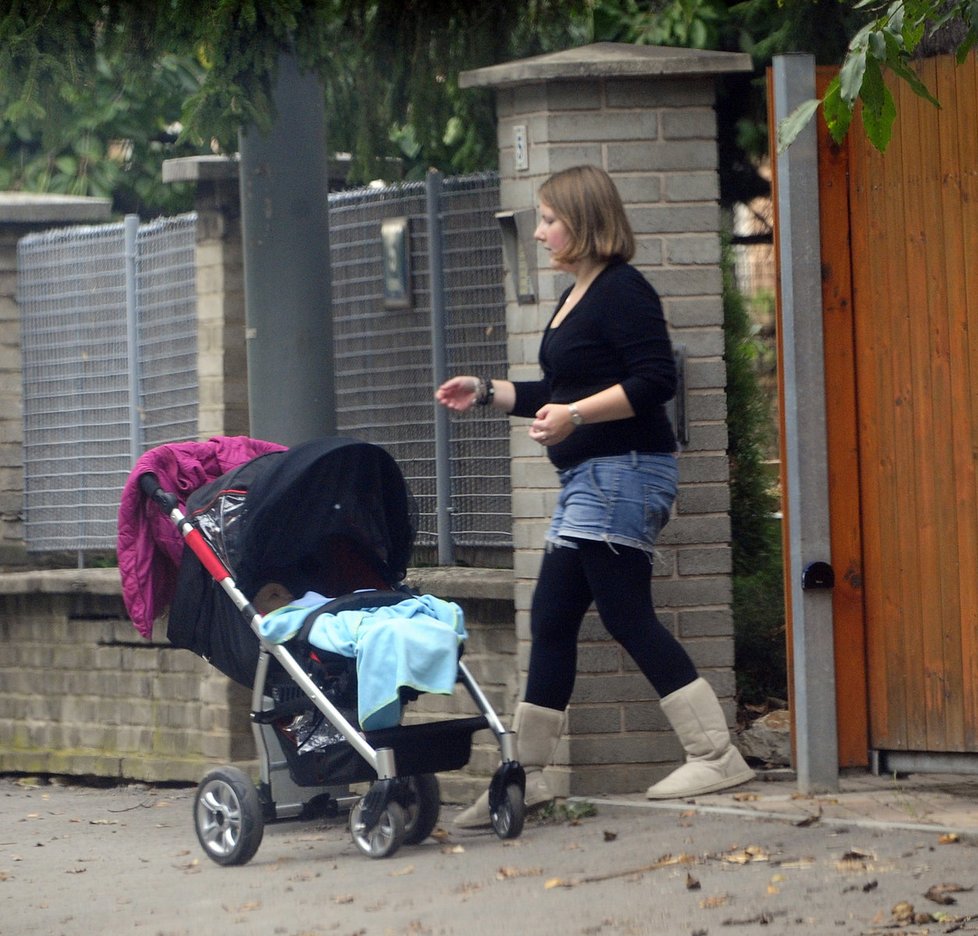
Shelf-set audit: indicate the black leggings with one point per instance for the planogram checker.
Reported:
(618, 579)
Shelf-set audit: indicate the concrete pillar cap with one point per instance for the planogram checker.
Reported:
(607, 60)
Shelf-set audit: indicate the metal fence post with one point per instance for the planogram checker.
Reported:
(443, 480)
(806, 467)
(131, 229)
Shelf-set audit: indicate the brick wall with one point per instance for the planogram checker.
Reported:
(222, 362)
(81, 693)
(11, 404)
(655, 133)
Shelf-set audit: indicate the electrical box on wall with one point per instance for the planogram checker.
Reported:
(676, 407)
(520, 252)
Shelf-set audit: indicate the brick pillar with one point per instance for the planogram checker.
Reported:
(20, 214)
(646, 115)
(222, 367)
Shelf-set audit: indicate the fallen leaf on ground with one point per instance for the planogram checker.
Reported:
(904, 913)
(855, 860)
(746, 855)
(796, 864)
(711, 903)
(401, 872)
(764, 919)
(505, 873)
(941, 893)
(664, 862)
(809, 820)
(249, 906)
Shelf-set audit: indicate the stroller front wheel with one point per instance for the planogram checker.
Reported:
(386, 837)
(508, 819)
(228, 816)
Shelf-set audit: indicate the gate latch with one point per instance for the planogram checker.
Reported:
(817, 575)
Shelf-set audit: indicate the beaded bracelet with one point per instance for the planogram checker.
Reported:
(484, 392)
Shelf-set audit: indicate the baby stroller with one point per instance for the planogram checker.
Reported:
(331, 520)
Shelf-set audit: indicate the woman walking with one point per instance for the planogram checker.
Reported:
(608, 370)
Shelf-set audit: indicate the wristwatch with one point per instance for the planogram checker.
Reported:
(576, 418)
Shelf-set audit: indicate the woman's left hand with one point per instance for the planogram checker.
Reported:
(552, 424)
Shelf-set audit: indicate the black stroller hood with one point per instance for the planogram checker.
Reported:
(321, 491)
(330, 515)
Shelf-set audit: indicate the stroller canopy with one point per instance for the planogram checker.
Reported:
(330, 515)
(316, 505)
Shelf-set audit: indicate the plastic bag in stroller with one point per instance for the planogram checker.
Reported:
(291, 582)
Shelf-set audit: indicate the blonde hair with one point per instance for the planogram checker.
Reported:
(586, 200)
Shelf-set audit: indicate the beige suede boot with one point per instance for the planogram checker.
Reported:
(712, 761)
(537, 732)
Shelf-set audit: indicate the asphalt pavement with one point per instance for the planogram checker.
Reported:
(882, 856)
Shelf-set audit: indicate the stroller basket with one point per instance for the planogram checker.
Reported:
(331, 517)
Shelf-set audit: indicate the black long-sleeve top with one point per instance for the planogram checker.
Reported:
(616, 334)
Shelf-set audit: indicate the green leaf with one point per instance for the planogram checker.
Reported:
(66, 165)
(837, 112)
(895, 16)
(795, 122)
(873, 92)
(879, 123)
(877, 45)
(970, 13)
(916, 85)
(851, 74)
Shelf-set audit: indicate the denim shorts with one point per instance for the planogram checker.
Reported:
(621, 499)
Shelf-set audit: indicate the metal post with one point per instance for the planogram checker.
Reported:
(285, 227)
(131, 233)
(806, 468)
(443, 476)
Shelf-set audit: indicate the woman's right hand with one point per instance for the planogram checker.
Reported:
(459, 393)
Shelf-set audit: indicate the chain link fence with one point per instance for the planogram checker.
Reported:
(110, 358)
(109, 339)
(383, 356)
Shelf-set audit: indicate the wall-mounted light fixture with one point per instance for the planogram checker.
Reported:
(396, 240)
(520, 251)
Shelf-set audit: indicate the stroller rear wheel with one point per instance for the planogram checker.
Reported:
(228, 816)
(386, 837)
(421, 807)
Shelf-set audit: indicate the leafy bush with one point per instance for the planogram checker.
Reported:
(758, 588)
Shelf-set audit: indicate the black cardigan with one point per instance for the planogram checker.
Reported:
(616, 334)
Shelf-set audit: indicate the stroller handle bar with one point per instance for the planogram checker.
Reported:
(149, 484)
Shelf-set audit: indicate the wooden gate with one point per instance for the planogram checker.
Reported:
(899, 238)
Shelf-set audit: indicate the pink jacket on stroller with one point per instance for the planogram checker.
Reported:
(149, 546)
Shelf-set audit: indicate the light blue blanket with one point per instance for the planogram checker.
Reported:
(414, 644)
